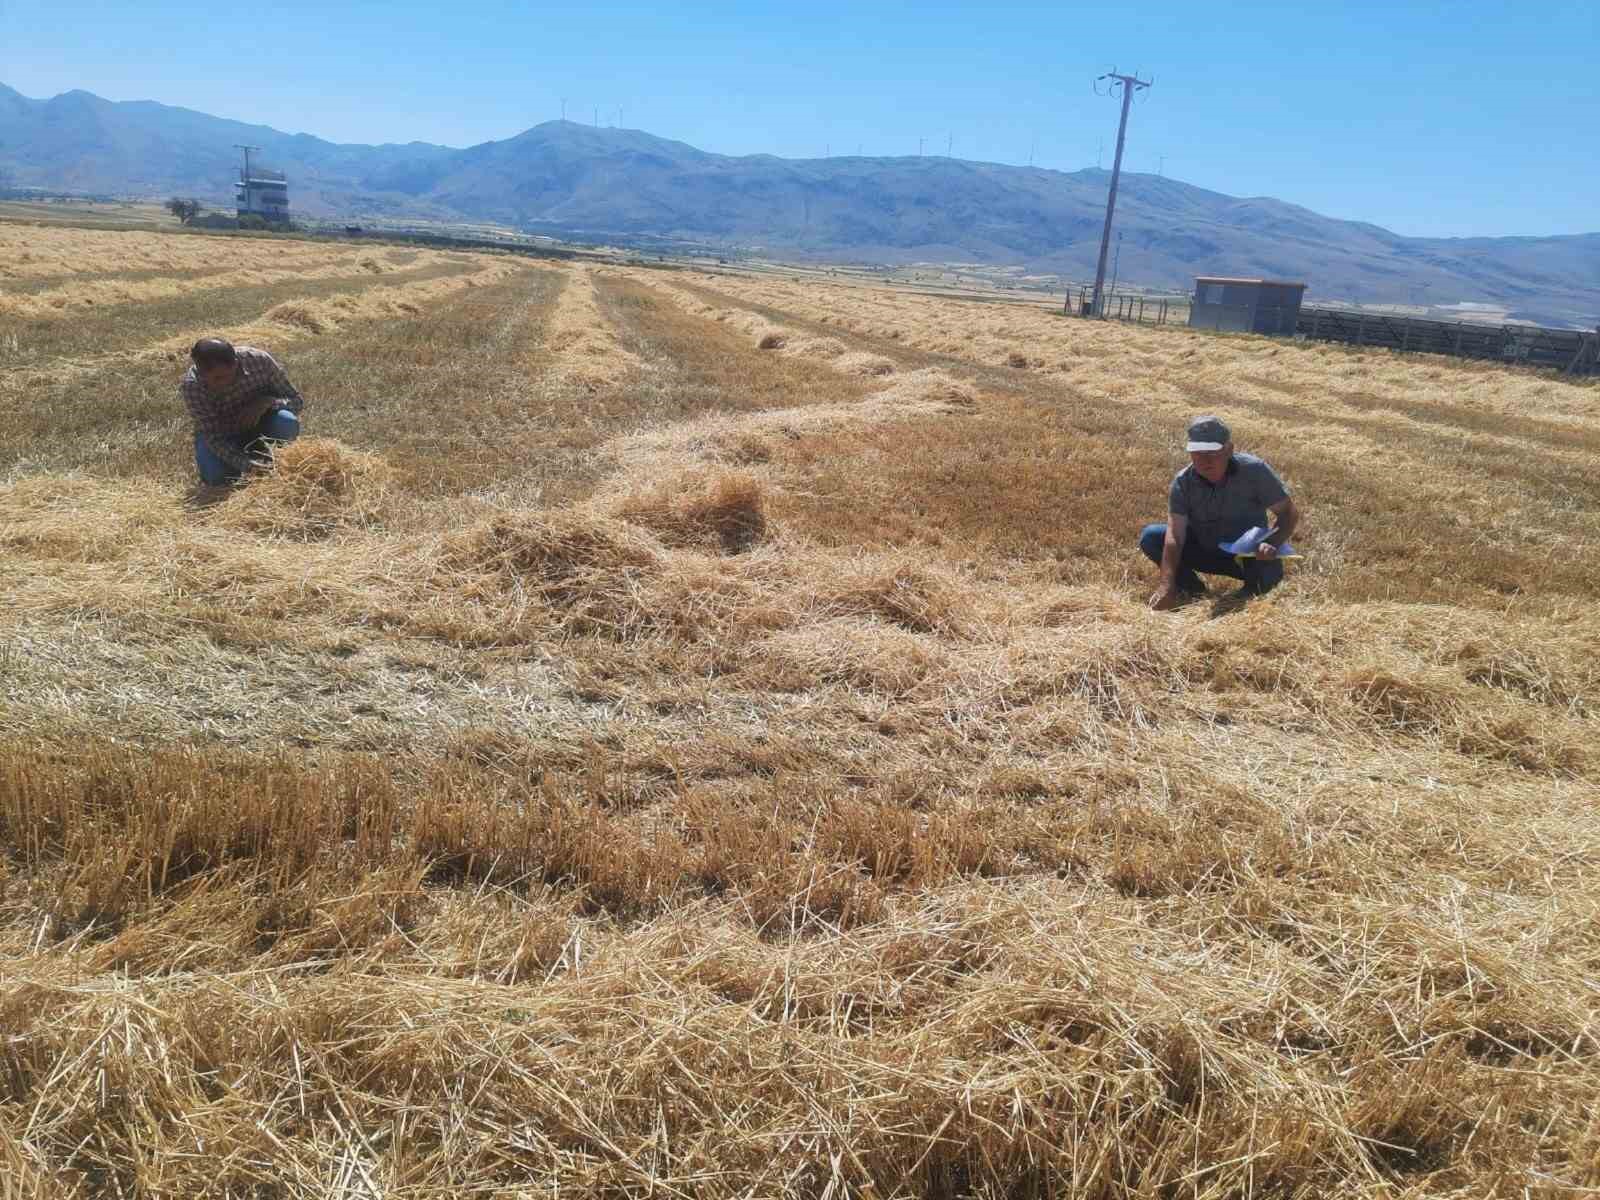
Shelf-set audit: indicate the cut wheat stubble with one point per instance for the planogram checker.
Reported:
(911, 869)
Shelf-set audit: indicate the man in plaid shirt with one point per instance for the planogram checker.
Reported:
(241, 402)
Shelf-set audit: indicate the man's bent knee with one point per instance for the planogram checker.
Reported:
(280, 426)
(1152, 540)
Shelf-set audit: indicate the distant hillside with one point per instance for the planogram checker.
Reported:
(567, 178)
(79, 142)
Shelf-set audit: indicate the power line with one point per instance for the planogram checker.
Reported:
(1130, 85)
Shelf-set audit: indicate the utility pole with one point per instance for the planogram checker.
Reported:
(1032, 146)
(950, 145)
(563, 108)
(919, 146)
(1130, 84)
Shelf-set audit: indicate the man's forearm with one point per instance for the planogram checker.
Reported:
(252, 416)
(287, 394)
(1284, 529)
(1171, 560)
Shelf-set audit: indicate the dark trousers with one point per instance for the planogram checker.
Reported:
(278, 425)
(1259, 577)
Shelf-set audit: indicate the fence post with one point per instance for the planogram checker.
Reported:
(1162, 320)
(1361, 331)
(1405, 342)
(1589, 345)
(1459, 331)
(1316, 321)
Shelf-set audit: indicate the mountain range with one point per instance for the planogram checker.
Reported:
(568, 179)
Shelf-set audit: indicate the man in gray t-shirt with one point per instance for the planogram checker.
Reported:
(1218, 496)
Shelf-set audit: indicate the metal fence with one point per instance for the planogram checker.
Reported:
(1574, 351)
(1130, 306)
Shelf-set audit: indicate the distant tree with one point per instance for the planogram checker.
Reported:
(184, 210)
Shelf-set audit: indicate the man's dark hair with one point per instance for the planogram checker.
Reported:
(213, 352)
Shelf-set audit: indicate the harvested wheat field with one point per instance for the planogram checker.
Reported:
(664, 734)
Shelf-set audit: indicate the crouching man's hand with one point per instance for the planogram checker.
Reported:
(1266, 552)
(1164, 597)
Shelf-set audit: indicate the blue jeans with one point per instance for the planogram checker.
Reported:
(1259, 577)
(279, 425)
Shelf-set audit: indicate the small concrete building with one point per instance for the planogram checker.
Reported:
(263, 194)
(1245, 305)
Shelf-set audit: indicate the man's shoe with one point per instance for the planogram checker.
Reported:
(1231, 602)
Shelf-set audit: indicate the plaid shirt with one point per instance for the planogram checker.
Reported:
(221, 417)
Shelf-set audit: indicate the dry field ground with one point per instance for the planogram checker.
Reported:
(956, 281)
(81, 214)
(664, 734)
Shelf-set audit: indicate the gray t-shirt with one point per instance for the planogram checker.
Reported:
(1220, 512)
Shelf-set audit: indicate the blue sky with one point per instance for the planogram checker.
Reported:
(1471, 118)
